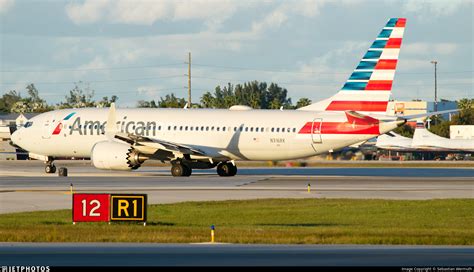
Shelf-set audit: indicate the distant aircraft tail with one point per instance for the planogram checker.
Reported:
(368, 89)
(423, 136)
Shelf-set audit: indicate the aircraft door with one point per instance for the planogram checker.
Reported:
(47, 127)
(316, 130)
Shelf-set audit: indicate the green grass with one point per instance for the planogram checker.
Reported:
(295, 221)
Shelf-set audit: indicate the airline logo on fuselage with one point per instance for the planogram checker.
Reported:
(96, 127)
(59, 127)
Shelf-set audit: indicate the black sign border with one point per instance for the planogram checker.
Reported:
(145, 208)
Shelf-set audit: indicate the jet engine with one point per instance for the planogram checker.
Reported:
(116, 156)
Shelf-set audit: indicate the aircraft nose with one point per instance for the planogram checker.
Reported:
(15, 137)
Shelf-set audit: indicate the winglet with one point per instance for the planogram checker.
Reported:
(111, 127)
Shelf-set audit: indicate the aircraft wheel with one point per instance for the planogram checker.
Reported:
(187, 171)
(233, 169)
(226, 169)
(50, 168)
(179, 170)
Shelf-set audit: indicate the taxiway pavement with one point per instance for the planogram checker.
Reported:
(25, 186)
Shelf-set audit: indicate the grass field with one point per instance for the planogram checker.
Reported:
(295, 221)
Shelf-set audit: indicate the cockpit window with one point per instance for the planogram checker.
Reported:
(28, 124)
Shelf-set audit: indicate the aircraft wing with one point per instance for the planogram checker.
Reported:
(415, 116)
(152, 145)
(145, 144)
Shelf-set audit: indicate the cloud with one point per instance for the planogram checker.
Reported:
(151, 91)
(90, 11)
(434, 8)
(6, 5)
(145, 12)
(429, 49)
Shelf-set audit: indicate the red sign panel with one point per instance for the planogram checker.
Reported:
(90, 208)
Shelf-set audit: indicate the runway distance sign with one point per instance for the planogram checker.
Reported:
(128, 207)
(90, 207)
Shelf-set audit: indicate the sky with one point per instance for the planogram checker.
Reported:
(137, 49)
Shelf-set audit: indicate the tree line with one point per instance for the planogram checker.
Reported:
(257, 95)
(79, 97)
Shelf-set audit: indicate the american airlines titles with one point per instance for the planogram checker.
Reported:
(97, 128)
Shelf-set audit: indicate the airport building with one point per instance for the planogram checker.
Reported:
(442, 106)
(404, 108)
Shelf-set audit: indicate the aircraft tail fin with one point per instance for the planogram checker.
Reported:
(422, 135)
(368, 89)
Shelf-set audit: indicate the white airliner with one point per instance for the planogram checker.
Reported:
(423, 140)
(122, 139)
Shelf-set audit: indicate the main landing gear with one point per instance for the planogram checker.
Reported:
(50, 168)
(183, 168)
(178, 169)
(226, 169)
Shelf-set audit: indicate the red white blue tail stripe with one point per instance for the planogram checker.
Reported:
(369, 87)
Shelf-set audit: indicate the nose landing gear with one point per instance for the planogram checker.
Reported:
(50, 168)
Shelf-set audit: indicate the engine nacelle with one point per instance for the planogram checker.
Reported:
(115, 156)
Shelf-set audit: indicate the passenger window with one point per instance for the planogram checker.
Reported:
(241, 128)
(186, 128)
(217, 128)
(294, 129)
(251, 129)
(256, 129)
(175, 127)
(223, 128)
(278, 130)
(235, 128)
(207, 128)
(212, 128)
(273, 129)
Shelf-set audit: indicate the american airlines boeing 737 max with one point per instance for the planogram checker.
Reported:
(122, 139)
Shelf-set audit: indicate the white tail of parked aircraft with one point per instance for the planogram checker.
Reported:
(122, 139)
(423, 140)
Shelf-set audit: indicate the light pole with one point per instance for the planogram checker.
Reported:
(436, 86)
